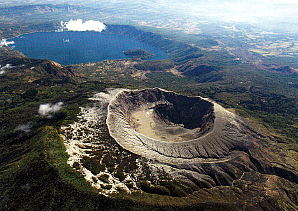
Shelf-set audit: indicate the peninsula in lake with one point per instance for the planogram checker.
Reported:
(139, 53)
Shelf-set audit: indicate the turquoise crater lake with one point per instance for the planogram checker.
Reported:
(79, 47)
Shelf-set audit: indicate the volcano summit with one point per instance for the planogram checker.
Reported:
(167, 143)
(173, 128)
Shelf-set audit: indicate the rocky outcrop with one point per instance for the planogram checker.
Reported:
(56, 69)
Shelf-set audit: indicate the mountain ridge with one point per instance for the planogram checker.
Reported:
(36, 172)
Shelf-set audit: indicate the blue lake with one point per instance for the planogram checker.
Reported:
(79, 47)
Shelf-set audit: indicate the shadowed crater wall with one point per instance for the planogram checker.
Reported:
(191, 112)
(166, 116)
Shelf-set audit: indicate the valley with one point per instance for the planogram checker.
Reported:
(94, 151)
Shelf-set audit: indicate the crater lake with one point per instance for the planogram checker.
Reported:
(72, 47)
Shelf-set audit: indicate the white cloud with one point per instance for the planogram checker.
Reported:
(79, 25)
(7, 66)
(49, 109)
(4, 42)
(2, 69)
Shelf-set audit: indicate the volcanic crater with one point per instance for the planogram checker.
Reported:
(163, 125)
(158, 135)
(170, 117)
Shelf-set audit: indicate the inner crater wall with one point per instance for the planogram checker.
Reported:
(209, 132)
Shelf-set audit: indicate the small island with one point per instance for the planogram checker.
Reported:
(139, 53)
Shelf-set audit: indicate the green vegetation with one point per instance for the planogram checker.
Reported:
(41, 168)
(93, 165)
(139, 53)
(40, 179)
(55, 155)
(34, 174)
(155, 65)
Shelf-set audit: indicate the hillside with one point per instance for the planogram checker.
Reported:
(101, 136)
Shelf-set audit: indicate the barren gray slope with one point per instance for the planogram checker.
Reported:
(217, 145)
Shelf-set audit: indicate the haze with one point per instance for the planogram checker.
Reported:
(251, 11)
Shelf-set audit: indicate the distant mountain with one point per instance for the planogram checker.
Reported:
(39, 9)
(283, 69)
(101, 136)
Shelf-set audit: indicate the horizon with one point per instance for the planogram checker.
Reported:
(218, 10)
